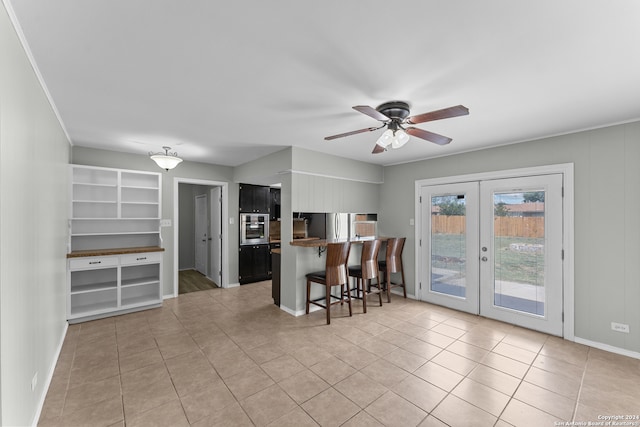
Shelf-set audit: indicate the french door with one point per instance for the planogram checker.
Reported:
(494, 248)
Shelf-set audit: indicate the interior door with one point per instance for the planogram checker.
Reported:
(521, 251)
(215, 197)
(494, 248)
(450, 237)
(201, 234)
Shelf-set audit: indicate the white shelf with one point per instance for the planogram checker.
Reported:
(137, 301)
(93, 308)
(115, 233)
(94, 287)
(113, 208)
(140, 282)
(89, 184)
(114, 219)
(139, 203)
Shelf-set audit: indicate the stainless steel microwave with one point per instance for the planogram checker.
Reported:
(254, 229)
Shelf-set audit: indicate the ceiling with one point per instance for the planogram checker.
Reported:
(229, 82)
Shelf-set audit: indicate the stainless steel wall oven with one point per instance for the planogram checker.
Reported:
(254, 229)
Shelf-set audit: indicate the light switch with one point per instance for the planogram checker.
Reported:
(412, 222)
(231, 221)
(165, 223)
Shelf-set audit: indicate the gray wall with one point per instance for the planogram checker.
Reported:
(187, 215)
(186, 169)
(311, 182)
(34, 154)
(607, 208)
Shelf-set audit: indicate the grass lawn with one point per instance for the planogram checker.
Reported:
(448, 251)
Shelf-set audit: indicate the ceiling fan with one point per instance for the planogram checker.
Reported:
(394, 116)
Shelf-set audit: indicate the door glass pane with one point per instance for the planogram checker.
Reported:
(448, 245)
(519, 219)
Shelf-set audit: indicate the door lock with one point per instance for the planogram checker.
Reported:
(485, 259)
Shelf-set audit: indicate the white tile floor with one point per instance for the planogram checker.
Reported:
(230, 357)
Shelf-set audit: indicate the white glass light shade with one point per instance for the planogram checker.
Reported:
(166, 161)
(385, 139)
(399, 139)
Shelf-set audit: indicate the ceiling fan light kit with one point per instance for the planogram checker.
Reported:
(394, 115)
(166, 160)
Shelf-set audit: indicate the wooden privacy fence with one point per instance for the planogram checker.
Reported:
(504, 226)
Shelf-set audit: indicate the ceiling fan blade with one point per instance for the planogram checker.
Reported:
(445, 113)
(371, 112)
(353, 132)
(429, 136)
(377, 149)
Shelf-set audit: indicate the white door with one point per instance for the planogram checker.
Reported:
(494, 248)
(215, 197)
(201, 234)
(521, 252)
(449, 214)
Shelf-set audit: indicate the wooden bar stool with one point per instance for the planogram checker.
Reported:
(366, 271)
(335, 274)
(393, 264)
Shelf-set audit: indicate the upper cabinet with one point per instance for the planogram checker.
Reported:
(254, 199)
(114, 208)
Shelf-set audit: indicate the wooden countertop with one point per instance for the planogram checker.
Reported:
(317, 243)
(276, 251)
(115, 251)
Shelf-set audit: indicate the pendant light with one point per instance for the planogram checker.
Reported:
(166, 160)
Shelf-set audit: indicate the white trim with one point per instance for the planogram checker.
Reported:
(298, 313)
(52, 369)
(313, 308)
(233, 285)
(607, 347)
(27, 50)
(225, 223)
(322, 175)
(566, 169)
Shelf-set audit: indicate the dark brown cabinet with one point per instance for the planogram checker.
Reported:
(254, 262)
(275, 204)
(254, 199)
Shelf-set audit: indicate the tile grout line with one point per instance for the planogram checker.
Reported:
(584, 374)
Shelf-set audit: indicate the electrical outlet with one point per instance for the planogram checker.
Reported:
(620, 327)
(165, 223)
(34, 382)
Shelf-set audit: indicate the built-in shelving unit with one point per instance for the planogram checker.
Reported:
(115, 245)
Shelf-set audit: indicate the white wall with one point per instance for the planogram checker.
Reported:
(607, 212)
(34, 153)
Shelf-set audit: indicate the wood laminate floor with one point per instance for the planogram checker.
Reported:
(193, 281)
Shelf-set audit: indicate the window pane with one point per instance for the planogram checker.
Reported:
(448, 245)
(519, 251)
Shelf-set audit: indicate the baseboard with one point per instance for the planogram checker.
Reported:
(313, 308)
(232, 285)
(609, 348)
(52, 369)
(297, 313)
(401, 294)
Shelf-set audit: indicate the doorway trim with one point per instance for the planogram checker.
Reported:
(566, 169)
(224, 219)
